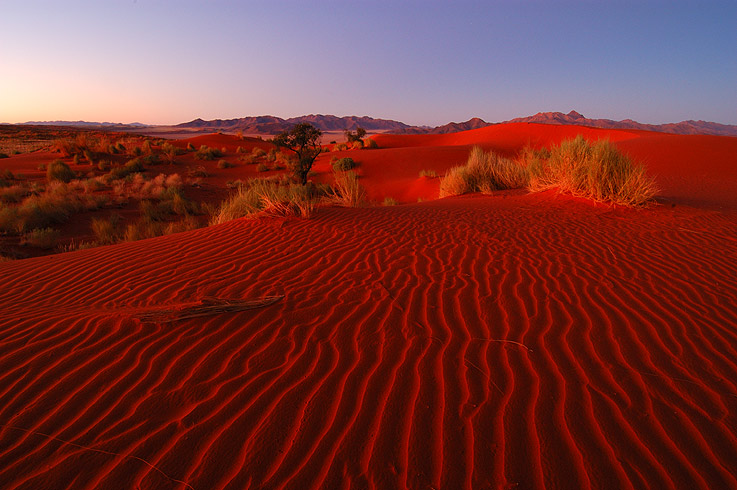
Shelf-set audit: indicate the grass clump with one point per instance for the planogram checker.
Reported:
(347, 190)
(430, 174)
(268, 197)
(343, 164)
(59, 171)
(45, 238)
(108, 231)
(205, 153)
(483, 172)
(390, 201)
(596, 171)
(225, 164)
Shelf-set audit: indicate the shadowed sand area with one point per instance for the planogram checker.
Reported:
(508, 341)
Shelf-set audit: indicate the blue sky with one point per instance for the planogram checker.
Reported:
(418, 62)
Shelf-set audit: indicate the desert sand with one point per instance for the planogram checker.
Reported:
(518, 340)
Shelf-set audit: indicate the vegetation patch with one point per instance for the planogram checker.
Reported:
(271, 197)
(343, 164)
(59, 171)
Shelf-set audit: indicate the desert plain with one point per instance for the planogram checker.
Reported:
(507, 340)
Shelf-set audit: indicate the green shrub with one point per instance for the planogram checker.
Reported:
(59, 171)
(343, 164)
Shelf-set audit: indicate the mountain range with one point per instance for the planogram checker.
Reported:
(270, 125)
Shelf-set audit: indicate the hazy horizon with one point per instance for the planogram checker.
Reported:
(428, 63)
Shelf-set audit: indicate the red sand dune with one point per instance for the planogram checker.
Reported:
(507, 341)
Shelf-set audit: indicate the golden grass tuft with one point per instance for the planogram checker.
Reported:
(597, 171)
(268, 197)
(483, 172)
(347, 190)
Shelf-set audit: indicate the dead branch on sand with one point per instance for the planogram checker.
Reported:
(205, 307)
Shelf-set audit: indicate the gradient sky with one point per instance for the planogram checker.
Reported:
(420, 62)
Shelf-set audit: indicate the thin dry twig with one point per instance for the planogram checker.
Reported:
(205, 307)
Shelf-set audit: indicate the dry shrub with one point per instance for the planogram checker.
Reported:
(370, 144)
(347, 190)
(205, 153)
(15, 193)
(340, 147)
(107, 231)
(390, 201)
(430, 174)
(357, 145)
(58, 170)
(596, 171)
(225, 164)
(45, 238)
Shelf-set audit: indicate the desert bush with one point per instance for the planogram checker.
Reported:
(268, 197)
(146, 147)
(66, 147)
(343, 164)
(225, 164)
(90, 156)
(347, 191)
(107, 231)
(484, 172)
(390, 201)
(41, 167)
(58, 170)
(247, 159)
(45, 238)
(340, 147)
(170, 152)
(6, 174)
(596, 171)
(357, 145)
(430, 174)
(240, 150)
(369, 143)
(131, 167)
(205, 153)
(262, 167)
(104, 165)
(198, 171)
(271, 155)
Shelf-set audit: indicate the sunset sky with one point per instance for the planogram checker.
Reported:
(420, 62)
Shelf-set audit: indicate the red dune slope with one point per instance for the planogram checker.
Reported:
(526, 341)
